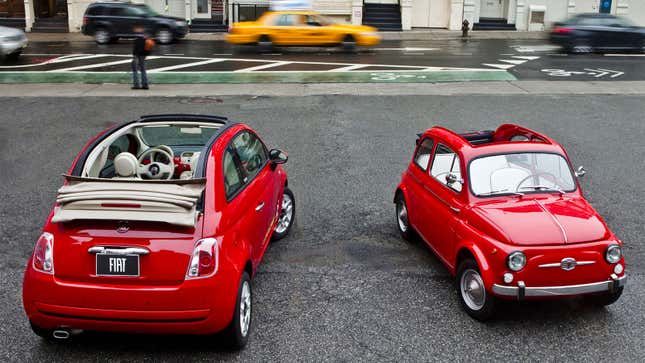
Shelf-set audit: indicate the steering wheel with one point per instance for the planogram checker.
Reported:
(517, 189)
(156, 169)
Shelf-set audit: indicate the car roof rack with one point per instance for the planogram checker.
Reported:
(183, 117)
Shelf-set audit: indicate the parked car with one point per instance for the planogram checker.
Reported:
(108, 21)
(12, 42)
(503, 210)
(159, 228)
(300, 28)
(586, 33)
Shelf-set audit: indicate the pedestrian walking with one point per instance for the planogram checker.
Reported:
(141, 49)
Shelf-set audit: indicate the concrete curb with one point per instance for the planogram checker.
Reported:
(420, 35)
(504, 88)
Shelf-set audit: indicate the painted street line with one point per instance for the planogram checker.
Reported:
(175, 54)
(513, 61)
(624, 55)
(264, 66)
(526, 57)
(405, 49)
(596, 73)
(349, 68)
(186, 65)
(500, 66)
(62, 59)
(222, 53)
(99, 65)
(535, 48)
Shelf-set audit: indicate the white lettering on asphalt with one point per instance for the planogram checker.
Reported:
(596, 73)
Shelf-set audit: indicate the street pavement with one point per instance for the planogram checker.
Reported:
(344, 286)
(200, 61)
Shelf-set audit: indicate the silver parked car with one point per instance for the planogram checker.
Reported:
(12, 42)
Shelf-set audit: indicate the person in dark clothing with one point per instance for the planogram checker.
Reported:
(139, 54)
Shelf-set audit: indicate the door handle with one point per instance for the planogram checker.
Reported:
(259, 207)
(454, 209)
(119, 251)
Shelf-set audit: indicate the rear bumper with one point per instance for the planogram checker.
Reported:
(369, 40)
(241, 38)
(521, 291)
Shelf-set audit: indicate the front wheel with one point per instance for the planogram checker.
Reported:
(102, 36)
(164, 36)
(349, 43)
(402, 219)
(15, 55)
(265, 44)
(287, 215)
(237, 333)
(475, 300)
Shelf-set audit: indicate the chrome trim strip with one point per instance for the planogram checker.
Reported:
(560, 290)
(558, 264)
(557, 222)
(119, 251)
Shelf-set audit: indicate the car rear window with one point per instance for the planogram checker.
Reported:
(96, 10)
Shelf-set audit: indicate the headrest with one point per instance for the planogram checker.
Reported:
(125, 165)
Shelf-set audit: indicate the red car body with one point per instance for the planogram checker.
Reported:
(563, 239)
(162, 298)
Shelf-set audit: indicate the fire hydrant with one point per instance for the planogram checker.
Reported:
(464, 28)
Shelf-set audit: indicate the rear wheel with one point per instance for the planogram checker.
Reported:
(102, 36)
(41, 332)
(287, 215)
(164, 36)
(581, 46)
(474, 298)
(265, 44)
(606, 298)
(15, 55)
(238, 331)
(349, 43)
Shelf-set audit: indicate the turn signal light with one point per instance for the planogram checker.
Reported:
(204, 260)
(43, 260)
(562, 30)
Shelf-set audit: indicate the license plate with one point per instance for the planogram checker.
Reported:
(117, 265)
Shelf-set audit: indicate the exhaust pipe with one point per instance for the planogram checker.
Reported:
(61, 334)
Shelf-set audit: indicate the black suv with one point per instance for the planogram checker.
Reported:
(112, 20)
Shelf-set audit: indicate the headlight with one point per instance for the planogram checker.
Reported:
(180, 23)
(613, 253)
(516, 260)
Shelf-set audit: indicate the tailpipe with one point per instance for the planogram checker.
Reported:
(61, 334)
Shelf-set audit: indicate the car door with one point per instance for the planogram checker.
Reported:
(314, 31)
(259, 189)
(286, 29)
(443, 199)
(418, 171)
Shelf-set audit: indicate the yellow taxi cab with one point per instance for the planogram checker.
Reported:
(300, 28)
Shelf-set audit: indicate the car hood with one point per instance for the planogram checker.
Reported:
(6, 31)
(540, 221)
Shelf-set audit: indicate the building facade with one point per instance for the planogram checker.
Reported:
(523, 15)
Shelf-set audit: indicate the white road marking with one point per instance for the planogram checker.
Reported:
(222, 53)
(173, 54)
(500, 66)
(526, 57)
(263, 66)
(349, 68)
(535, 48)
(99, 65)
(624, 55)
(513, 61)
(67, 58)
(406, 49)
(186, 65)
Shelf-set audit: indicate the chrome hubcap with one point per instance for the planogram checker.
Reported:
(402, 215)
(286, 214)
(245, 308)
(472, 289)
(102, 36)
(164, 36)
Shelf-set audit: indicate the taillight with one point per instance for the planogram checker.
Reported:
(86, 20)
(44, 254)
(204, 260)
(562, 30)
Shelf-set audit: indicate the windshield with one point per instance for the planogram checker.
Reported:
(176, 135)
(520, 173)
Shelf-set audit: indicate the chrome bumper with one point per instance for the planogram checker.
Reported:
(521, 291)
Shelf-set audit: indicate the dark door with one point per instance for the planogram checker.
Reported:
(12, 8)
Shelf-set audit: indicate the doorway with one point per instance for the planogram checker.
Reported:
(430, 14)
(12, 9)
(492, 9)
(50, 9)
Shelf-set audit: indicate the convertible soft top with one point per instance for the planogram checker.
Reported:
(171, 201)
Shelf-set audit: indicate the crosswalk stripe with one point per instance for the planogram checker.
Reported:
(513, 61)
(527, 57)
(99, 65)
(500, 66)
(263, 66)
(186, 65)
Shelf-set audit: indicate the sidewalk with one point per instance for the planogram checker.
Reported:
(433, 34)
(548, 88)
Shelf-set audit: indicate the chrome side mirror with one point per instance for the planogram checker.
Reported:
(580, 172)
(452, 179)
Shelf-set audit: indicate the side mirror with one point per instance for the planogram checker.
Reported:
(278, 156)
(452, 179)
(580, 172)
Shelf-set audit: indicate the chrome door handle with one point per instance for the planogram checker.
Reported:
(455, 210)
(259, 207)
(119, 251)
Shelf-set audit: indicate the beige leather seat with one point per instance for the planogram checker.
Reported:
(125, 166)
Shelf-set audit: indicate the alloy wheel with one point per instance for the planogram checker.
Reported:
(286, 214)
(472, 289)
(245, 308)
(402, 215)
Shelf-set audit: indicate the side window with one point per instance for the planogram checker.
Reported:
(288, 20)
(252, 154)
(232, 179)
(422, 156)
(118, 11)
(446, 162)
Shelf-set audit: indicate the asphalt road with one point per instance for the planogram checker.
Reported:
(524, 59)
(344, 286)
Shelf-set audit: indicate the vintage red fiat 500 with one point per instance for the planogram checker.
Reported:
(159, 227)
(504, 212)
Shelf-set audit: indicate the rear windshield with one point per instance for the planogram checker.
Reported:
(176, 135)
(96, 10)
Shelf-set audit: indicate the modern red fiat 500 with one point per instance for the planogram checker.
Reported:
(159, 228)
(504, 212)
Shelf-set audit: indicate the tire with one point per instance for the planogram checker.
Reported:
(402, 219)
(287, 215)
(265, 44)
(14, 55)
(606, 298)
(41, 332)
(237, 333)
(349, 43)
(474, 298)
(102, 36)
(580, 46)
(164, 36)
